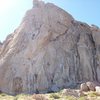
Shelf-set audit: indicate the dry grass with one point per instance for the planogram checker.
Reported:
(39, 97)
(51, 96)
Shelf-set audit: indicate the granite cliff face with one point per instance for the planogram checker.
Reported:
(50, 50)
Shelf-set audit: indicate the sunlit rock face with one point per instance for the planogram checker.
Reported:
(49, 51)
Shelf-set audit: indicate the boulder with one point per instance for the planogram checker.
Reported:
(81, 93)
(97, 88)
(71, 92)
(91, 86)
(84, 87)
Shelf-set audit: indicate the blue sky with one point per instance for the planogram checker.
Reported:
(12, 12)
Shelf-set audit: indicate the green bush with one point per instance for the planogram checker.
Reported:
(70, 98)
(82, 98)
(92, 94)
(55, 96)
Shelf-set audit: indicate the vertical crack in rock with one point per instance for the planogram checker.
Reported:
(94, 62)
(78, 68)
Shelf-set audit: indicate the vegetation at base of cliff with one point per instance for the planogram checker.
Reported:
(50, 96)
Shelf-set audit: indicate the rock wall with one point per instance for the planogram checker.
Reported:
(50, 50)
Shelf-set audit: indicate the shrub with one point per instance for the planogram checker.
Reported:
(92, 94)
(55, 96)
(70, 98)
(82, 98)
